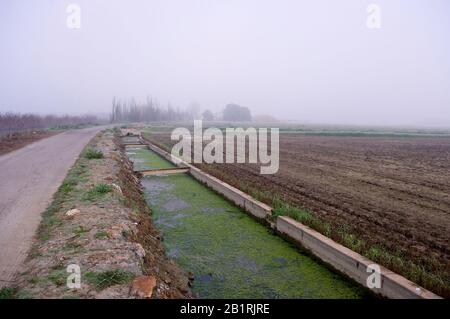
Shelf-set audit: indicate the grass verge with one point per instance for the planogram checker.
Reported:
(102, 280)
(91, 153)
(65, 193)
(97, 192)
(8, 293)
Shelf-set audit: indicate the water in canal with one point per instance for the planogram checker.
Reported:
(230, 254)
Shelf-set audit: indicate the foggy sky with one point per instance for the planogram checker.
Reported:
(311, 61)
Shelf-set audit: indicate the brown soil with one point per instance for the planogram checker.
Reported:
(19, 140)
(392, 193)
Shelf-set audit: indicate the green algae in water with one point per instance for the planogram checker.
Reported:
(230, 254)
(145, 159)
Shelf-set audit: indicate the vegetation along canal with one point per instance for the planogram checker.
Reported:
(230, 254)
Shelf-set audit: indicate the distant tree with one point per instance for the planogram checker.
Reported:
(236, 113)
(193, 109)
(149, 111)
(11, 123)
(208, 116)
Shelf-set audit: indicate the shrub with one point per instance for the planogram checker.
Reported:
(98, 191)
(93, 154)
(67, 187)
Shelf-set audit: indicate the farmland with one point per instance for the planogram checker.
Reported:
(385, 195)
(19, 140)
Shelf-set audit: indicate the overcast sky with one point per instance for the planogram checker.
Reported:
(312, 61)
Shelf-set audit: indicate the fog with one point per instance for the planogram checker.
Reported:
(308, 61)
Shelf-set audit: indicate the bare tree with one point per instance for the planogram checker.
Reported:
(150, 111)
(14, 122)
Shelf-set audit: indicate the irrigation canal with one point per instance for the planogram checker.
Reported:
(230, 254)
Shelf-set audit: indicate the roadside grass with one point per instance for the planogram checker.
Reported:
(101, 235)
(102, 280)
(80, 230)
(67, 187)
(302, 215)
(8, 293)
(65, 192)
(97, 192)
(14, 293)
(91, 153)
(58, 277)
(72, 247)
(35, 280)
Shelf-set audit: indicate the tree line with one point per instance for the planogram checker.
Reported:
(16, 122)
(149, 111)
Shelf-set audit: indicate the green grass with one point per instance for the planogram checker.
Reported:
(65, 192)
(67, 187)
(98, 192)
(302, 215)
(73, 247)
(49, 220)
(101, 235)
(35, 280)
(109, 278)
(7, 293)
(91, 153)
(58, 277)
(80, 230)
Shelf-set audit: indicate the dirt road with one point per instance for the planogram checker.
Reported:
(28, 179)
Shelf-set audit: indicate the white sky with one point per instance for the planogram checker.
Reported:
(312, 61)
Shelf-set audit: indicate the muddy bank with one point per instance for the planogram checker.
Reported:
(99, 222)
